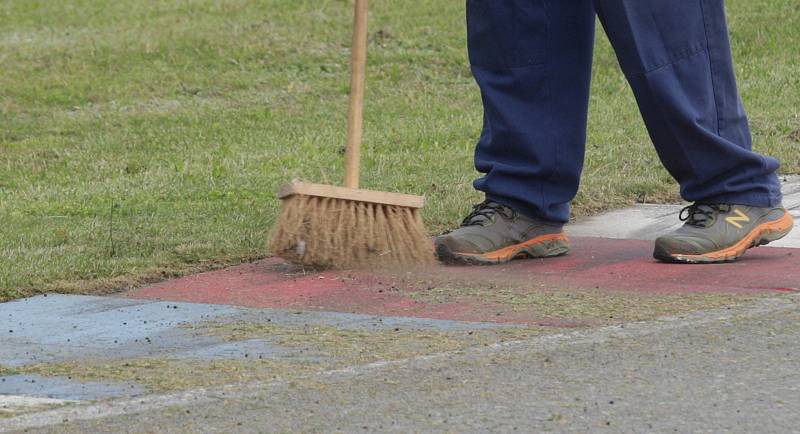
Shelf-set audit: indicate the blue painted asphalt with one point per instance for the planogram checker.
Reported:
(58, 328)
(69, 328)
(37, 386)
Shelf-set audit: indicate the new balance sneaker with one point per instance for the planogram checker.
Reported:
(721, 232)
(493, 233)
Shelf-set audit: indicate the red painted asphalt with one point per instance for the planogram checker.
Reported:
(594, 264)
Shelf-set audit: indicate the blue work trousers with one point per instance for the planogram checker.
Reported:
(532, 60)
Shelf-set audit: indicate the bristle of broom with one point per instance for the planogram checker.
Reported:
(323, 232)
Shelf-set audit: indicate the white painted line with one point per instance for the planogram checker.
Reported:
(126, 406)
(15, 403)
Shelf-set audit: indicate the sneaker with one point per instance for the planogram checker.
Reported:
(722, 232)
(493, 234)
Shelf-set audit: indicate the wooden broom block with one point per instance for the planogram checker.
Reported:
(344, 193)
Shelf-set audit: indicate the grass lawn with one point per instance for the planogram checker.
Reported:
(145, 138)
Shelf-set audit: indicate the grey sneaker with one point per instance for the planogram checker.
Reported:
(493, 233)
(722, 232)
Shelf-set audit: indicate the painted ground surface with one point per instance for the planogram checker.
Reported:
(601, 279)
(600, 271)
(267, 321)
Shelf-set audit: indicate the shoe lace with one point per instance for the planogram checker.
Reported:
(482, 213)
(702, 215)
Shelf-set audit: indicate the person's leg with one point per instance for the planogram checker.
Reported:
(676, 55)
(532, 61)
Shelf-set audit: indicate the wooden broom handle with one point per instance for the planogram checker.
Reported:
(355, 120)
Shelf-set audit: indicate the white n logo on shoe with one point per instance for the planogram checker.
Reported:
(739, 218)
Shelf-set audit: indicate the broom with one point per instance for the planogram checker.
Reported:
(325, 226)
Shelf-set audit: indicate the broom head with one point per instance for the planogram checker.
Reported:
(324, 226)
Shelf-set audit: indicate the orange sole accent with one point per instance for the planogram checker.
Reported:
(785, 223)
(510, 252)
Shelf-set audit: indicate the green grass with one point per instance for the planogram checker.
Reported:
(142, 139)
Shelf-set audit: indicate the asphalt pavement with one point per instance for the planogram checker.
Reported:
(603, 340)
(726, 370)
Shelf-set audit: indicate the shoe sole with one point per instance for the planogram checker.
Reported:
(762, 234)
(544, 246)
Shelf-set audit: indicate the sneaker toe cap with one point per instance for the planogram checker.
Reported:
(457, 244)
(684, 245)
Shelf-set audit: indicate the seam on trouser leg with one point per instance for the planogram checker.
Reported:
(711, 66)
(549, 98)
(692, 51)
(660, 113)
